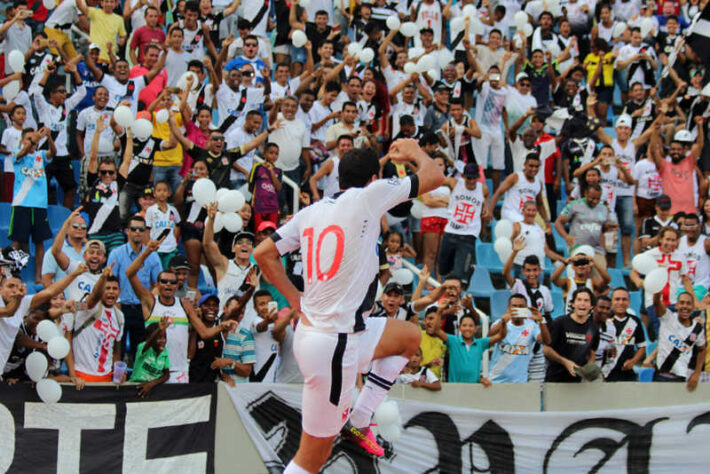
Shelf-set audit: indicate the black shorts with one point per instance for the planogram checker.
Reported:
(29, 221)
(190, 232)
(605, 95)
(60, 168)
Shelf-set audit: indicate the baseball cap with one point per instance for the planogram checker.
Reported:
(148, 191)
(144, 114)
(241, 235)
(624, 121)
(426, 30)
(663, 202)
(521, 76)
(440, 86)
(471, 170)
(96, 243)
(393, 286)
(683, 136)
(178, 262)
(589, 371)
(207, 297)
(266, 225)
(94, 46)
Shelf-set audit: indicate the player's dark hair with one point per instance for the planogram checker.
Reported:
(357, 167)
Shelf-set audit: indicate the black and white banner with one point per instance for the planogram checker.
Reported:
(108, 430)
(439, 438)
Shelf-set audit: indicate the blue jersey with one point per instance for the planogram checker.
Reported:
(30, 179)
(511, 356)
(90, 82)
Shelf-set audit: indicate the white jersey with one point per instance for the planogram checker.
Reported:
(676, 266)
(696, 259)
(609, 184)
(86, 122)
(82, 285)
(229, 285)
(331, 185)
(93, 346)
(650, 185)
(429, 16)
(627, 155)
(534, 243)
(9, 327)
(128, 91)
(675, 344)
(338, 241)
(266, 349)
(540, 297)
(237, 104)
(518, 195)
(177, 334)
(465, 209)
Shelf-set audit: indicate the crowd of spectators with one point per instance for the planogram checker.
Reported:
(579, 127)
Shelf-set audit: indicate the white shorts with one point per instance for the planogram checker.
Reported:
(374, 327)
(490, 143)
(329, 364)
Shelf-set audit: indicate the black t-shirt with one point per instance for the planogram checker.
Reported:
(206, 351)
(220, 166)
(99, 195)
(316, 38)
(572, 341)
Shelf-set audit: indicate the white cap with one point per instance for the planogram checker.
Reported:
(520, 76)
(94, 46)
(624, 121)
(683, 136)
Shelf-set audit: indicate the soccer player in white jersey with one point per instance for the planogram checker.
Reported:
(338, 240)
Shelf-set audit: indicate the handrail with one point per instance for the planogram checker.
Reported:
(482, 316)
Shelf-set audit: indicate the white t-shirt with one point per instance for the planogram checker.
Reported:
(317, 113)
(118, 92)
(93, 346)
(86, 122)
(517, 104)
(238, 137)
(176, 65)
(9, 327)
(158, 221)
(465, 209)
(677, 267)
(627, 155)
(423, 375)
(292, 137)
(650, 185)
(696, 259)
(11, 138)
(278, 91)
(264, 347)
(673, 334)
(193, 41)
(82, 285)
(518, 195)
(338, 241)
(489, 108)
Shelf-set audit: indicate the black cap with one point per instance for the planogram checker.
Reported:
(148, 191)
(471, 170)
(178, 262)
(426, 29)
(242, 234)
(663, 202)
(440, 86)
(393, 286)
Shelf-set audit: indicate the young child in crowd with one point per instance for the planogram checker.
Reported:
(265, 185)
(11, 137)
(152, 365)
(433, 348)
(161, 216)
(396, 249)
(417, 376)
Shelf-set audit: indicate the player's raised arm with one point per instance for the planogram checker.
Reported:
(428, 175)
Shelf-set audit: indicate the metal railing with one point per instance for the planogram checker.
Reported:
(482, 316)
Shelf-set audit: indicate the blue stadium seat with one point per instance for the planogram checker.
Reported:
(33, 288)
(57, 215)
(560, 243)
(28, 273)
(646, 374)
(636, 301)
(481, 285)
(5, 209)
(487, 257)
(617, 278)
(558, 303)
(499, 303)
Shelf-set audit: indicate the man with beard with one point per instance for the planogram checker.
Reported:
(627, 339)
(94, 257)
(204, 353)
(678, 173)
(179, 310)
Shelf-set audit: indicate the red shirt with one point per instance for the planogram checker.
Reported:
(144, 36)
(152, 90)
(549, 154)
(678, 183)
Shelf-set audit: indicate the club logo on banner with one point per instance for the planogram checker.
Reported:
(438, 438)
(109, 429)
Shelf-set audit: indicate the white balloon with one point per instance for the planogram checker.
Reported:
(47, 330)
(182, 82)
(232, 222)
(409, 29)
(445, 58)
(433, 74)
(231, 201)
(218, 222)
(644, 263)
(528, 29)
(503, 229)
(11, 90)
(162, 116)
(204, 191)
(409, 68)
(220, 193)
(457, 24)
(299, 38)
(16, 60)
(417, 209)
(123, 116)
(36, 366)
(517, 42)
(58, 347)
(142, 129)
(469, 11)
(354, 48)
(415, 52)
(428, 61)
(646, 26)
(503, 247)
(367, 55)
(391, 433)
(476, 27)
(245, 191)
(387, 413)
(521, 19)
(618, 29)
(655, 281)
(49, 4)
(392, 22)
(403, 276)
(49, 391)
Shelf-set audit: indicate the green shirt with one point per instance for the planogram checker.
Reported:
(464, 359)
(149, 366)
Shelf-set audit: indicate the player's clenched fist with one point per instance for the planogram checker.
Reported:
(404, 149)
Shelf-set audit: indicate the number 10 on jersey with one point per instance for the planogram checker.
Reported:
(312, 263)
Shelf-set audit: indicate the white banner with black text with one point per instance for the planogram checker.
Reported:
(439, 438)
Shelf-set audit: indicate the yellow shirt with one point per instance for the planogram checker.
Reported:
(172, 157)
(607, 77)
(105, 27)
(432, 348)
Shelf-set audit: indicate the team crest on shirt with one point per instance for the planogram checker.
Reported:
(225, 161)
(393, 181)
(693, 337)
(628, 331)
(589, 337)
(346, 413)
(525, 333)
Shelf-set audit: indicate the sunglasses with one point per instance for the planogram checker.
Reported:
(244, 241)
(217, 139)
(251, 45)
(137, 229)
(524, 84)
(247, 73)
(61, 91)
(165, 281)
(79, 226)
(107, 172)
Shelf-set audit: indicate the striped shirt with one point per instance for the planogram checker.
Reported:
(239, 347)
